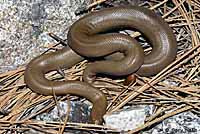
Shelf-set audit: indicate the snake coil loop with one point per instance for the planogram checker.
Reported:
(88, 37)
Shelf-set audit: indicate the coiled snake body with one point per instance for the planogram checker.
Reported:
(89, 37)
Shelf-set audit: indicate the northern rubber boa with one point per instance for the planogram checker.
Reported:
(90, 36)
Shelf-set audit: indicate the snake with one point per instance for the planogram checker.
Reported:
(94, 35)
